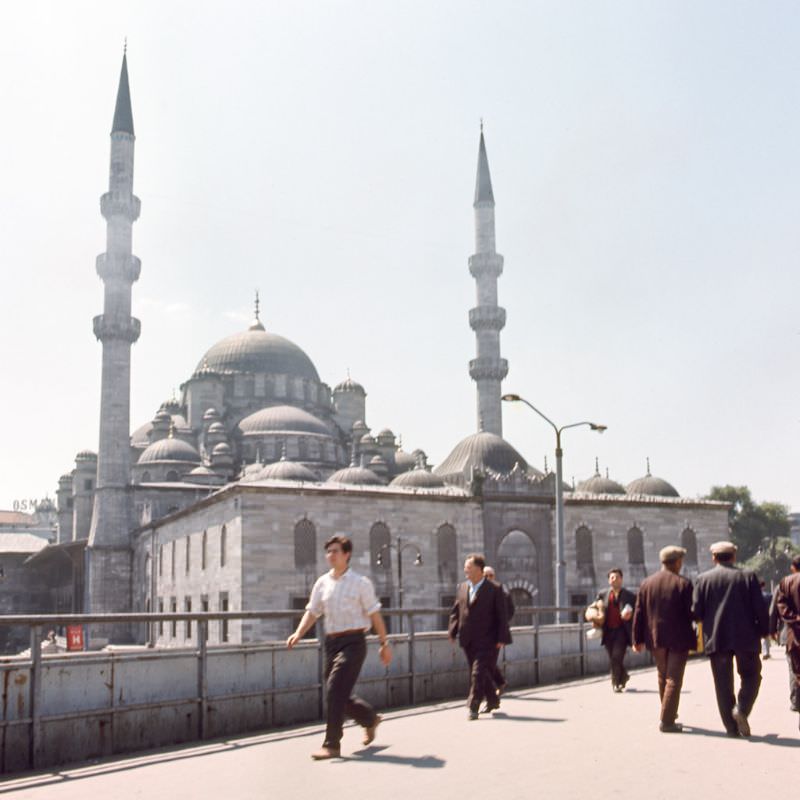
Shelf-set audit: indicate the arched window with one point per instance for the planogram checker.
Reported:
(521, 598)
(223, 546)
(172, 476)
(188, 554)
(516, 556)
(203, 550)
(584, 555)
(447, 554)
(145, 477)
(305, 544)
(635, 547)
(689, 543)
(379, 540)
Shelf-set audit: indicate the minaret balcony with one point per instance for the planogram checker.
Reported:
(488, 369)
(125, 267)
(486, 265)
(107, 328)
(487, 318)
(120, 204)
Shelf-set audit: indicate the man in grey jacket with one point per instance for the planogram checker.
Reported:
(729, 603)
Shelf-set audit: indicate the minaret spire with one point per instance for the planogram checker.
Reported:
(108, 551)
(487, 319)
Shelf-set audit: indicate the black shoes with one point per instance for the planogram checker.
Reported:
(473, 715)
(489, 707)
(670, 727)
(741, 721)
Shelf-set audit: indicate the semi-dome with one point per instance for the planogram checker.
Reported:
(359, 476)
(284, 470)
(283, 419)
(404, 461)
(256, 351)
(598, 484)
(419, 478)
(651, 485)
(169, 449)
(483, 451)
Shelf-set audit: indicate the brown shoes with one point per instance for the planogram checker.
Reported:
(325, 752)
(369, 730)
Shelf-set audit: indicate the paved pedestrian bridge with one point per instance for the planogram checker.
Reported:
(571, 740)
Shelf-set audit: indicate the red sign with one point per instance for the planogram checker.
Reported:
(74, 637)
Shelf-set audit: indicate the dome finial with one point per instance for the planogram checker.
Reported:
(354, 454)
(607, 473)
(125, 47)
(283, 452)
(480, 423)
(546, 468)
(481, 117)
(256, 324)
(648, 465)
(596, 466)
(171, 434)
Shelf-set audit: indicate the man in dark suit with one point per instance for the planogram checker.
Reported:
(498, 678)
(478, 620)
(662, 622)
(787, 603)
(729, 603)
(618, 603)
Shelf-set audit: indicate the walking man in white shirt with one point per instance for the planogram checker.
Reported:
(347, 601)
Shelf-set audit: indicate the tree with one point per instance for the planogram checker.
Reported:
(772, 562)
(752, 525)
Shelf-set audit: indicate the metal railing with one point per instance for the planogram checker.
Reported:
(411, 638)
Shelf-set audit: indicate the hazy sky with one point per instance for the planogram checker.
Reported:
(644, 157)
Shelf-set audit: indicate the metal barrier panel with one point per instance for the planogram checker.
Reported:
(62, 708)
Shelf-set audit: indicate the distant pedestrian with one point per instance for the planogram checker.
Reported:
(662, 622)
(787, 601)
(348, 603)
(729, 603)
(766, 641)
(618, 603)
(479, 620)
(498, 678)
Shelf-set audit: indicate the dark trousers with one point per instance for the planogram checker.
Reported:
(793, 658)
(480, 676)
(617, 646)
(498, 679)
(344, 656)
(670, 665)
(748, 665)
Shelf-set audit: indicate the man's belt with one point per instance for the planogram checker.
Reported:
(351, 632)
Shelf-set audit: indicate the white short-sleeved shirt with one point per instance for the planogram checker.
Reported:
(346, 602)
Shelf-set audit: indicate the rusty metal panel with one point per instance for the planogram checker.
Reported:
(16, 691)
(152, 678)
(69, 740)
(155, 727)
(240, 714)
(74, 684)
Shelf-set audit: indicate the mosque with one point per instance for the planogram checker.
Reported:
(223, 499)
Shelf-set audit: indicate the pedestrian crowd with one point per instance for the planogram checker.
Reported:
(726, 604)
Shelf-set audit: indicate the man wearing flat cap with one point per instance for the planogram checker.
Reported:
(729, 603)
(662, 622)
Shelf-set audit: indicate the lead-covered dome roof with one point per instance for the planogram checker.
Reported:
(169, 450)
(650, 485)
(419, 478)
(286, 471)
(257, 351)
(598, 484)
(283, 419)
(356, 476)
(483, 451)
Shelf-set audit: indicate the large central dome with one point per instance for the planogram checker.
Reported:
(256, 351)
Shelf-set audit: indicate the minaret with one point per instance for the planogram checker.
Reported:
(108, 562)
(487, 319)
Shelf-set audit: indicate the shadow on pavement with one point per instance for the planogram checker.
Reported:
(774, 739)
(518, 718)
(508, 696)
(373, 755)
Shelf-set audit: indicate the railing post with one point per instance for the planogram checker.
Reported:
(411, 671)
(321, 672)
(36, 696)
(536, 647)
(582, 647)
(202, 676)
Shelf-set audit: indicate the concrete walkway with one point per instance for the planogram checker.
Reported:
(576, 740)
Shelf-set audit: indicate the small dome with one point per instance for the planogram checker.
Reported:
(202, 470)
(358, 476)
(283, 419)
(169, 449)
(286, 471)
(360, 425)
(66, 478)
(221, 449)
(162, 416)
(216, 427)
(483, 451)
(86, 455)
(349, 385)
(650, 485)
(386, 433)
(366, 439)
(419, 478)
(211, 413)
(404, 461)
(172, 406)
(379, 461)
(598, 484)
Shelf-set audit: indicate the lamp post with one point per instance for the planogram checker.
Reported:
(561, 564)
(399, 547)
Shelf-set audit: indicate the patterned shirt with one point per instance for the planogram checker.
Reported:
(346, 602)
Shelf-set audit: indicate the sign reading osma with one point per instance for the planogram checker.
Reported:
(26, 506)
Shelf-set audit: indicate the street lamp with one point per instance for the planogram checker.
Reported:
(399, 547)
(561, 564)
